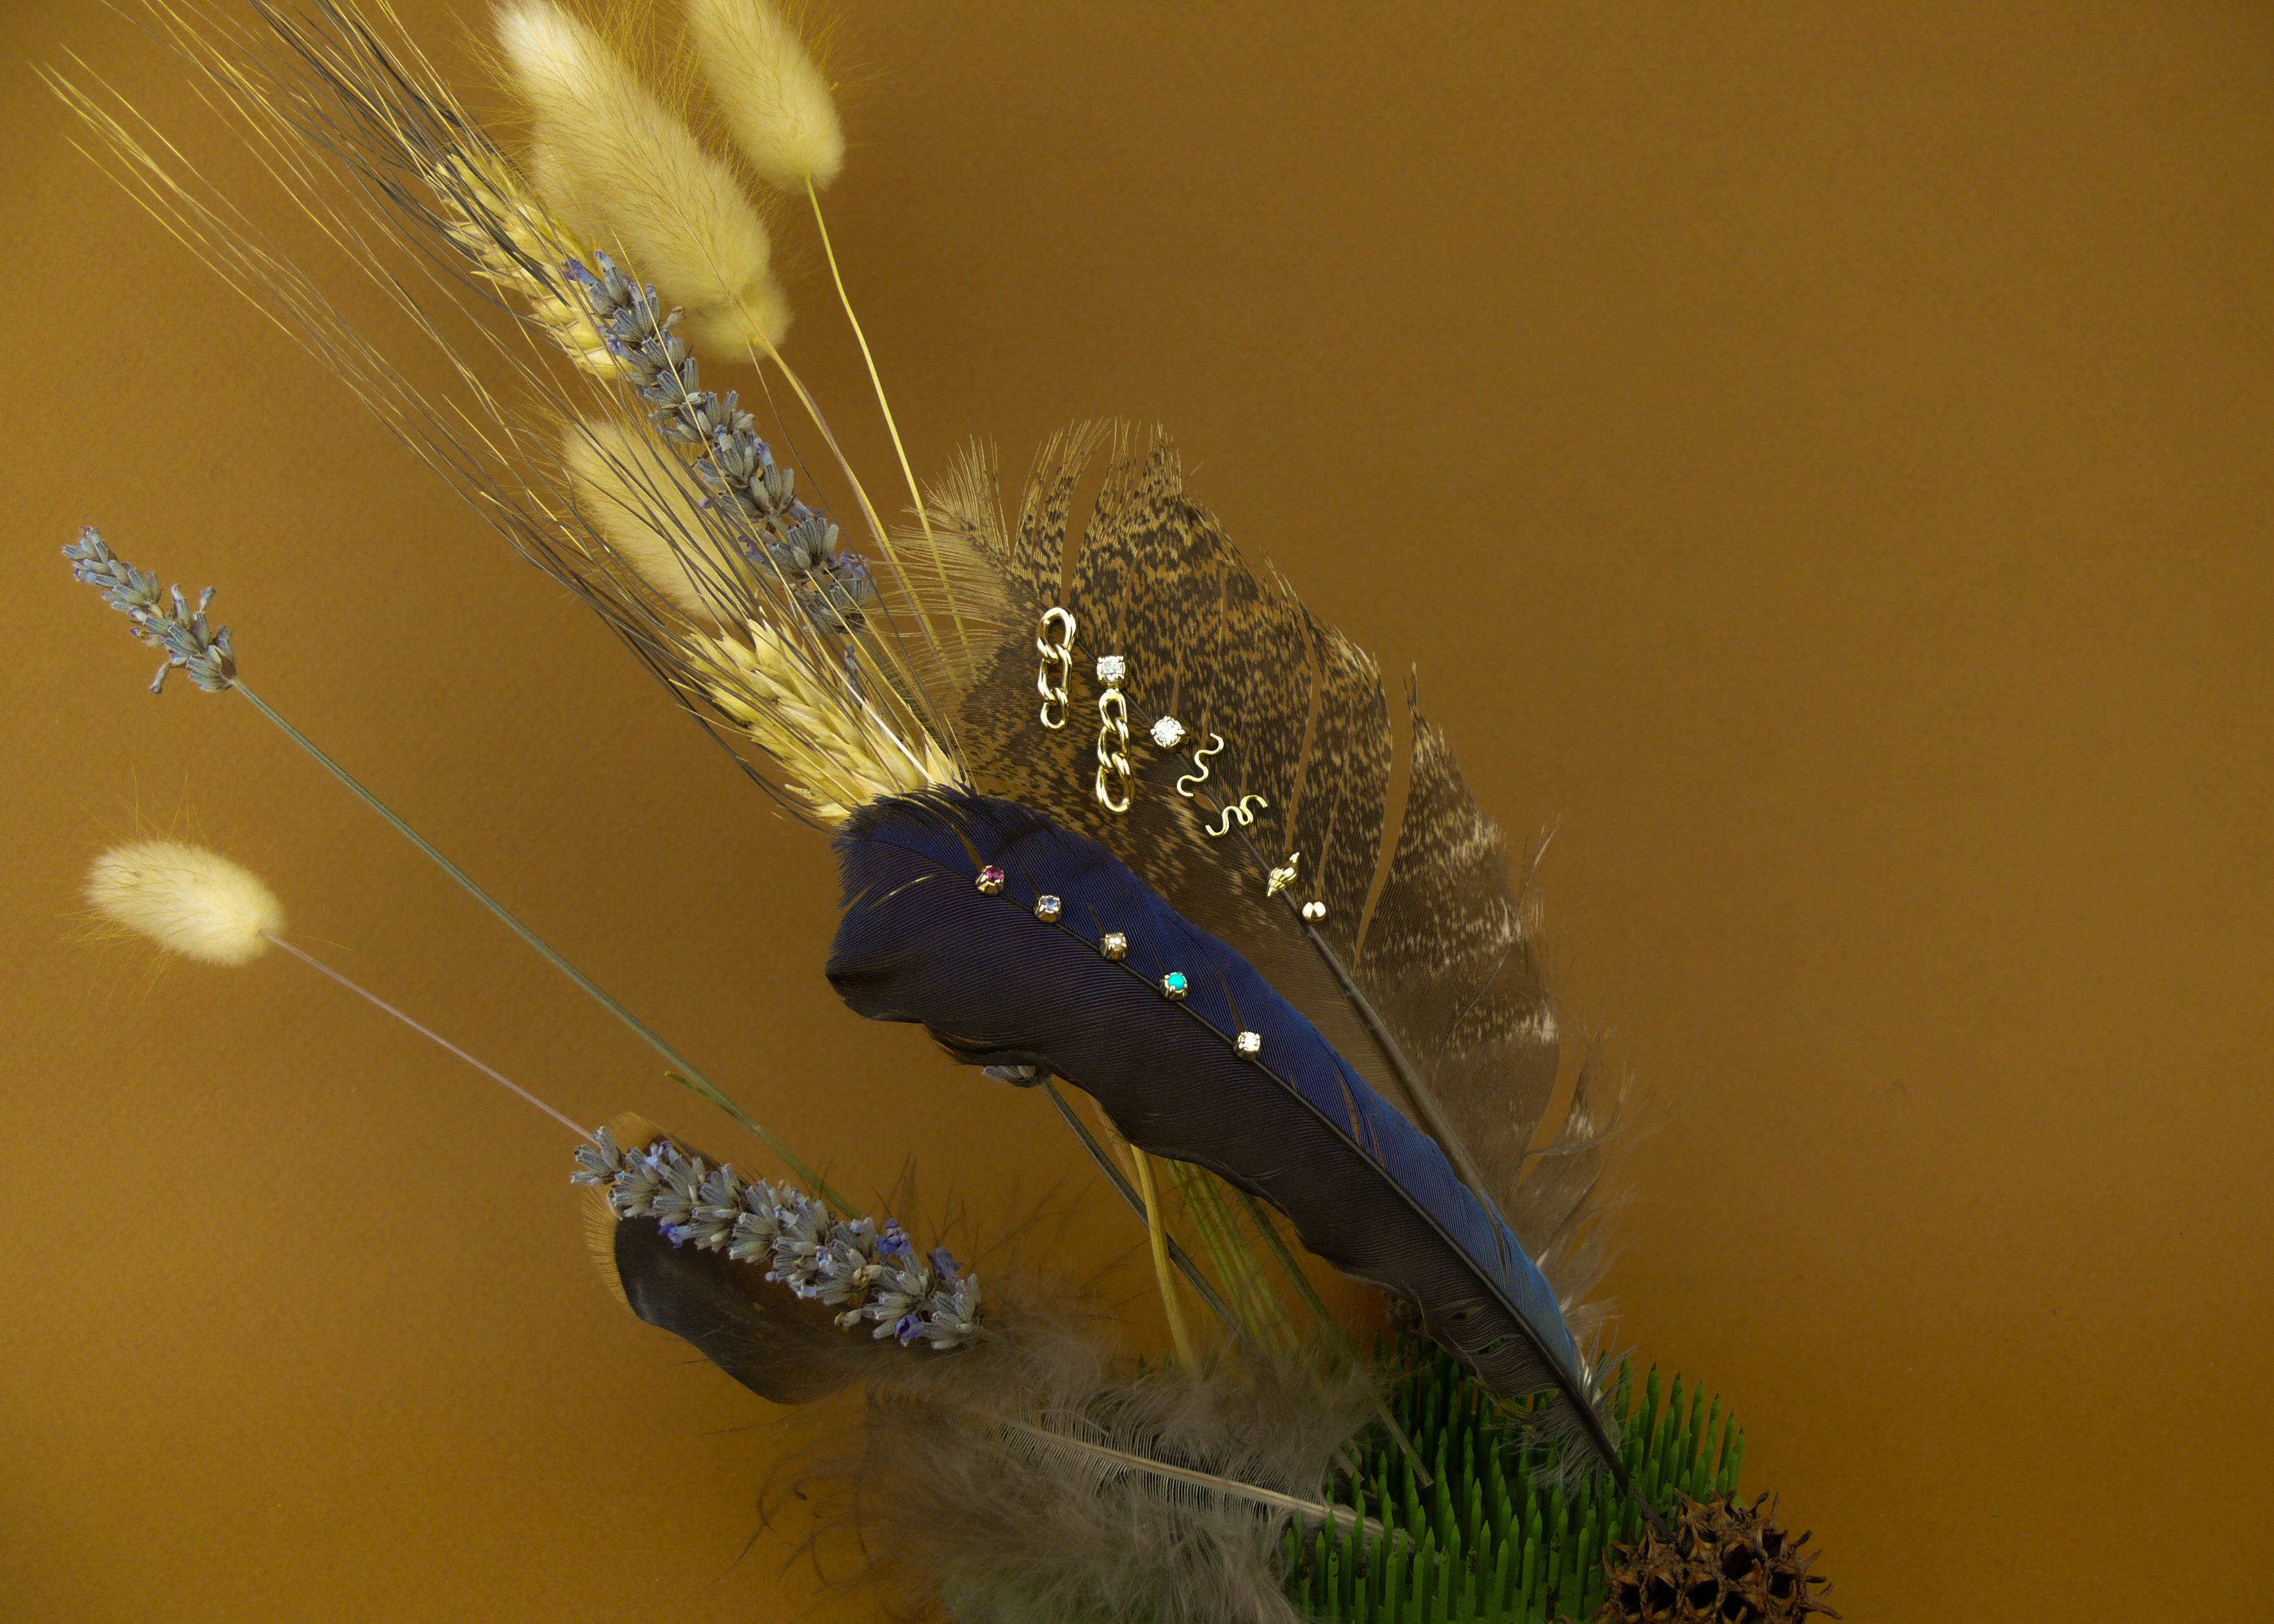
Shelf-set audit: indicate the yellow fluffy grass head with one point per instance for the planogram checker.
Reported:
(774, 96)
(629, 177)
(187, 900)
(627, 494)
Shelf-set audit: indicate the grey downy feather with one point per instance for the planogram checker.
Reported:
(1032, 1479)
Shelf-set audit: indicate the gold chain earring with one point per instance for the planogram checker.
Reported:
(1113, 735)
(1060, 650)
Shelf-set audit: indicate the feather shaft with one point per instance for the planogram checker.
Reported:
(1342, 1517)
(1409, 1077)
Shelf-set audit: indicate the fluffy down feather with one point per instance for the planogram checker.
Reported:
(966, 1491)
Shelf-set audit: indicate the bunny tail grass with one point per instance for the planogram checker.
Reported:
(187, 900)
(197, 903)
(363, 135)
(776, 100)
(620, 168)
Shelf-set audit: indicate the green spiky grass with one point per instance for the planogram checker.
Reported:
(1485, 1541)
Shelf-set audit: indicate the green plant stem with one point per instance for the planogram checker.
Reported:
(1178, 1255)
(1294, 1270)
(1310, 1296)
(1207, 1293)
(1233, 1255)
(1218, 1246)
(1157, 1233)
(1268, 1309)
(688, 1076)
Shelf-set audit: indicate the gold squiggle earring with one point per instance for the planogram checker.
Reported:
(1200, 773)
(1241, 811)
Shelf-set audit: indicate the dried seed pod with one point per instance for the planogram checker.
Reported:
(1726, 1563)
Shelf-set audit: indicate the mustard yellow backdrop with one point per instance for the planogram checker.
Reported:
(1818, 459)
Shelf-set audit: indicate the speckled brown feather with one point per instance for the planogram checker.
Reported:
(1149, 555)
(1345, 792)
(1452, 971)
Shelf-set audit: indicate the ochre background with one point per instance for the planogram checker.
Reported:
(1819, 462)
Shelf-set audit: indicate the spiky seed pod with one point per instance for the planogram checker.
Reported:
(1727, 1563)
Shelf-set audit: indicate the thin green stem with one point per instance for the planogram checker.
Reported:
(1294, 1270)
(692, 1078)
(1157, 1232)
(1233, 1254)
(1207, 1293)
(924, 517)
(1268, 1310)
(1310, 1296)
(1218, 1246)
(1178, 1255)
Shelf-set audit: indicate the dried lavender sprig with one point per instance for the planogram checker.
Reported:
(189, 643)
(876, 1274)
(832, 584)
(212, 664)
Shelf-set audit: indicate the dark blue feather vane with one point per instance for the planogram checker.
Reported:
(998, 984)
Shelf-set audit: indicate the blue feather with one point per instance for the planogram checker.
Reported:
(1293, 1124)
